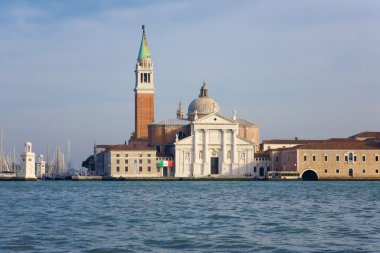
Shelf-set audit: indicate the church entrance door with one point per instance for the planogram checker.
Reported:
(214, 165)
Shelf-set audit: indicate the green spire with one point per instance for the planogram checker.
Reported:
(144, 50)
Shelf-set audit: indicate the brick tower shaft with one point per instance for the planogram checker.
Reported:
(144, 91)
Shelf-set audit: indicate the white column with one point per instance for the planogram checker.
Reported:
(248, 162)
(234, 151)
(224, 151)
(195, 147)
(205, 147)
(194, 163)
(177, 162)
(206, 163)
(183, 164)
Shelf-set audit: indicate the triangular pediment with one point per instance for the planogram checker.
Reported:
(214, 118)
(241, 141)
(186, 141)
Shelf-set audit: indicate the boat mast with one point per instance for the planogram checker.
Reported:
(47, 159)
(2, 158)
(68, 154)
(1, 141)
(14, 160)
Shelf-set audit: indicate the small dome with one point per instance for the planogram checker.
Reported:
(203, 104)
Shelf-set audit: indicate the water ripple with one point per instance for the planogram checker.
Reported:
(66, 216)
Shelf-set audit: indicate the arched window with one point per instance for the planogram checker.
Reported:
(350, 157)
(145, 77)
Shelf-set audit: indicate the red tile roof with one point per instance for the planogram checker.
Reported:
(123, 147)
(366, 135)
(293, 141)
(345, 144)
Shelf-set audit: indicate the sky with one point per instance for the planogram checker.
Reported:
(296, 68)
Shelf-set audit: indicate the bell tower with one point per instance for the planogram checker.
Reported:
(144, 90)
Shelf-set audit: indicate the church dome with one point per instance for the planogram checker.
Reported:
(203, 105)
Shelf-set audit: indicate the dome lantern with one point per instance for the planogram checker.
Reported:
(203, 104)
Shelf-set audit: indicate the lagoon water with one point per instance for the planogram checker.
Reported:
(198, 216)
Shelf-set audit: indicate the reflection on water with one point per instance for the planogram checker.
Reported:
(63, 216)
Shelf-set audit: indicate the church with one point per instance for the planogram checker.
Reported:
(206, 143)
(214, 146)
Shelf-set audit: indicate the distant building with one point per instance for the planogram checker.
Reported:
(126, 161)
(214, 147)
(347, 158)
(262, 165)
(276, 143)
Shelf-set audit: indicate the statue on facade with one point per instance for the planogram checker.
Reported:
(234, 115)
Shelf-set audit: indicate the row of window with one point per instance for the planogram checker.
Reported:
(140, 161)
(363, 171)
(140, 169)
(262, 158)
(255, 169)
(347, 158)
(140, 155)
(145, 77)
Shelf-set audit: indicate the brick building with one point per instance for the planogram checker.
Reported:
(337, 158)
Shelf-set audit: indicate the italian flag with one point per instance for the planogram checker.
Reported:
(169, 163)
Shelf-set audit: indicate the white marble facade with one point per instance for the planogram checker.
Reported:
(214, 149)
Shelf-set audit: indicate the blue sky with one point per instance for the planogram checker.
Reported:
(296, 68)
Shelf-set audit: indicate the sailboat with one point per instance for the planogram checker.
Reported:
(9, 166)
(56, 169)
(71, 170)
